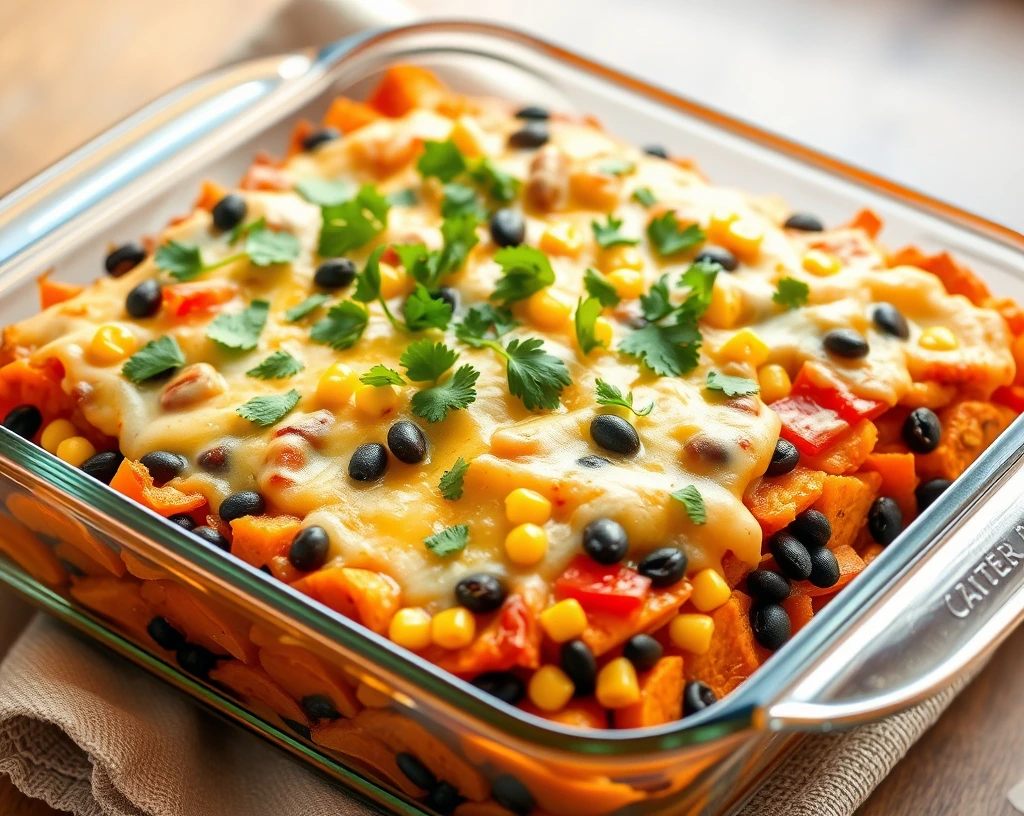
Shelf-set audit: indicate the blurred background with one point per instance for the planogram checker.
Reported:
(927, 92)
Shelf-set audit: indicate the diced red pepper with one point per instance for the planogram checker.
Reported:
(807, 425)
(837, 397)
(601, 588)
(1012, 396)
(181, 299)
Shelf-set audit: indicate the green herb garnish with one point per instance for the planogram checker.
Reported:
(380, 375)
(240, 330)
(732, 386)
(154, 358)
(267, 411)
(423, 311)
(598, 287)
(608, 394)
(277, 366)
(668, 239)
(451, 480)
(644, 196)
(608, 235)
(308, 306)
(342, 327)
(352, 223)
(182, 261)
(441, 160)
(617, 167)
(426, 361)
(461, 200)
(494, 181)
(585, 320)
(449, 541)
(525, 270)
(403, 198)
(325, 192)
(691, 499)
(791, 293)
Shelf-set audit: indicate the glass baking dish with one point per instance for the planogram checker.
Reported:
(937, 601)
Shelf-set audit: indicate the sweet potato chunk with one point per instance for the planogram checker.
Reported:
(251, 683)
(845, 501)
(365, 596)
(899, 479)
(848, 452)
(348, 739)
(606, 631)
(203, 620)
(661, 696)
(302, 675)
(347, 115)
(776, 501)
(52, 292)
(116, 599)
(257, 539)
(29, 553)
(734, 654)
(511, 639)
(579, 713)
(967, 429)
(133, 480)
(800, 610)
(404, 88)
(850, 565)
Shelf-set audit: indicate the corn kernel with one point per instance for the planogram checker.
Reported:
(621, 256)
(75, 450)
(454, 628)
(550, 688)
(710, 590)
(55, 433)
(692, 632)
(743, 238)
(561, 239)
(376, 401)
(617, 684)
(371, 697)
(548, 310)
(938, 338)
(410, 627)
(468, 136)
(564, 620)
(724, 309)
(111, 344)
(821, 263)
(718, 225)
(603, 331)
(393, 281)
(744, 347)
(336, 385)
(526, 544)
(628, 283)
(523, 505)
(775, 383)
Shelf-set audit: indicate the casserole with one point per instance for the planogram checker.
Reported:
(684, 754)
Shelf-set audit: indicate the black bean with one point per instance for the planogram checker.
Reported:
(335, 273)
(784, 458)
(656, 150)
(534, 112)
(922, 430)
(369, 462)
(532, 134)
(124, 259)
(825, 570)
(578, 662)
(723, 257)
(805, 222)
(299, 728)
(196, 660)
(642, 651)
(812, 527)
(102, 466)
(243, 503)
(696, 697)
(319, 707)
(446, 294)
(885, 521)
(592, 461)
(665, 566)
(212, 536)
(184, 521)
(319, 137)
(309, 549)
(771, 625)
(768, 586)
(792, 557)
(480, 593)
(605, 541)
(512, 795)
(504, 685)
(145, 299)
(508, 227)
(229, 212)
(928, 492)
(407, 442)
(710, 450)
(25, 421)
(846, 343)
(415, 771)
(615, 434)
(213, 460)
(165, 635)
(444, 799)
(164, 465)
(889, 320)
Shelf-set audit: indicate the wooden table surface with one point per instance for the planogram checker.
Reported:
(69, 69)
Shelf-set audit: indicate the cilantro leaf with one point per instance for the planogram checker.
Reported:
(668, 239)
(342, 327)
(403, 198)
(240, 330)
(267, 411)
(498, 184)
(416, 260)
(156, 357)
(352, 223)
(598, 287)
(534, 375)
(461, 200)
(608, 394)
(308, 306)
(617, 167)
(266, 247)
(525, 270)
(483, 323)
(277, 366)
(644, 196)
(655, 304)
(449, 541)
(422, 311)
(183, 261)
(732, 386)
(380, 375)
(427, 361)
(459, 233)
(433, 404)
(443, 160)
(325, 192)
(368, 284)
(451, 480)
(691, 499)
(608, 235)
(587, 312)
(667, 350)
(791, 293)
(700, 278)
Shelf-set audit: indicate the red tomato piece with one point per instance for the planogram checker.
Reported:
(808, 425)
(837, 397)
(181, 299)
(601, 588)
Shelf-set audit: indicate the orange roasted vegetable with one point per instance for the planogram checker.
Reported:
(133, 480)
(734, 654)
(661, 696)
(606, 630)
(850, 565)
(210, 192)
(847, 453)
(352, 741)
(899, 479)
(776, 501)
(253, 685)
(511, 639)
(117, 599)
(405, 87)
(258, 539)
(52, 292)
(800, 609)
(868, 221)
(29, 553)
(967, 429)
(347, 115)
(303, 676)
(368, 597)
(845, 501)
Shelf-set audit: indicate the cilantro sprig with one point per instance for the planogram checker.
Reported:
(609, 233)
(277, 366)
(667, 238)
(597, 286)
(154, 358)
(342, 327)
(307, 307)
(449, 541)
(731, 386)
(240, 330)
(608, 394)
(525, 270)
(380, 375)
(585, 322)
(693, 502)
(451, 481)
(791, 293)
(263, 246)
(426, 361)
(644, 196)
(444, 161)
(269, 410)
(352, 223)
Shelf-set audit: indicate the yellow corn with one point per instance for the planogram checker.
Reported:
(710, 590)
(603, 331)
(523, 505)
(550, 688)
(724, 309)
(548, 309)
(468, 136)
(621, 256)
(774, 381)
(453, 628)
(111, 344)
(410, 627)
(564, 620)
(75, 450)
(376, 401)
(743, 238)
(336, 385)
(821, 263)
(628, 283)
(55, 433)
(718, 225)
(692, 632)
(938, 338)
(617, 685)
(393, 281)
(744, 347)
(561, 239)
(526, 544)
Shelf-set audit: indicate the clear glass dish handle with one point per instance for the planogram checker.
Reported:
(938, 622)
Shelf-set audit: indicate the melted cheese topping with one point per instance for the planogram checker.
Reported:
(693, 436)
